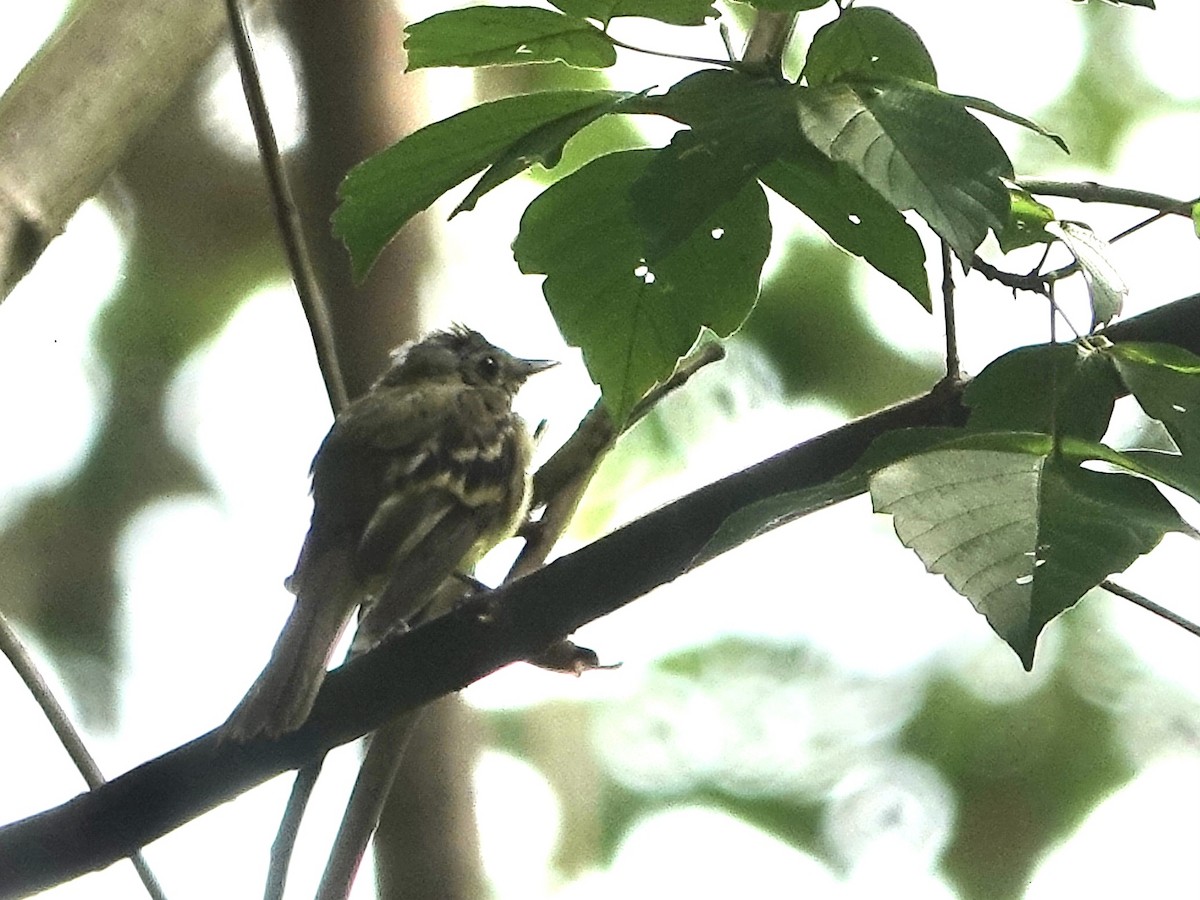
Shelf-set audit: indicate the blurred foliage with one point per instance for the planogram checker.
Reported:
(1023, 773)
(1108, 96)
(200, 237)
(814, 328)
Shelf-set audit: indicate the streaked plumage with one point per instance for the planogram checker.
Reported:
(416, 480)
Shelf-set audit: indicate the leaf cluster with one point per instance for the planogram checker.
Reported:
(643, 250)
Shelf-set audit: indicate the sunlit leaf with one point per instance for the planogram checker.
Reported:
(1165, 381)
(1027, 221)
(506, 36)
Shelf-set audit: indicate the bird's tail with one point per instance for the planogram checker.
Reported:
(282, 696)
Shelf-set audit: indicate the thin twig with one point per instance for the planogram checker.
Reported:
(953, 369)
(1138, 226)
(559, 484)
(286, 215)
(72, 741)
(289, 829)
(1146, 603)
(703, 60)
(385, 753)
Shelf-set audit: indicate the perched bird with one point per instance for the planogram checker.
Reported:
(415, 481)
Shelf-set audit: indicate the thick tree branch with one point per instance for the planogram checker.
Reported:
(515, 622)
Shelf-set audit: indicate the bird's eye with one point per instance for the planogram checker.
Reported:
(489, 368)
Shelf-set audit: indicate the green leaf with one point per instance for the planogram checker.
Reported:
(673, 12)
(1106, 288)
(634, 321)
(866, 42)
(1064, 389)
(1000, 112)
(382, 193)
(506, 36)
(1023, 535)
(737, 125)
(855, 217)
(919, 148)
(543, 146)
(1196, 218)
(1165, 380)
(1027, 221)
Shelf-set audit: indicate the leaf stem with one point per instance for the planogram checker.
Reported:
(953, 370)
(1146, 603)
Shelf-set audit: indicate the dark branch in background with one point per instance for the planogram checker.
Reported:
(12, 648)
(96, 829)
(286, 215)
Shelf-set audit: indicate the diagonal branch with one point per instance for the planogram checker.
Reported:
(99, 828)
(72, 741)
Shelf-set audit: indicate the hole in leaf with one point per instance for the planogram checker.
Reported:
(1025, 579)
(1178, 408)
(854, 219)
(643, 272)
(718, 233)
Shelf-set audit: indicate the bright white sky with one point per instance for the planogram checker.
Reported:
(249, 536)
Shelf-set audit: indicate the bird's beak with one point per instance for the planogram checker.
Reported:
(526, 367)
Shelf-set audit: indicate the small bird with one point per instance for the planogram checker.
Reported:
(416, 480)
